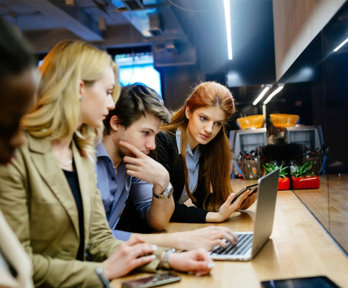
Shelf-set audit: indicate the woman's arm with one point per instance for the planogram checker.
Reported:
(230, 206)
(185, 214)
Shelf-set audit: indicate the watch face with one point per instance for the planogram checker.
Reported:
(169, 191)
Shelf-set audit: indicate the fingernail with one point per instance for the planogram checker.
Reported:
(211, 265)
(154, 247)
(153, 256)
(234, 194)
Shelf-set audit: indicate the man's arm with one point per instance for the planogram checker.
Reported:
(147, 169)
(159, 213)
(206, 238)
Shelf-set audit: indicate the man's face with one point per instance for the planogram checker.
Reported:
(17, 93)
(141, 134)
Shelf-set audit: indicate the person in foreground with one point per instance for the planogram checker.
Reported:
(48, 192)
(123, 166)
(194, 149)
(18, 82)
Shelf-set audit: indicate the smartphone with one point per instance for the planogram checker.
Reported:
(253, 186)
(305, 282)
(152, 281)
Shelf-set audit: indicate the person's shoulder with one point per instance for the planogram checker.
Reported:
(166, 137)
(37, 145)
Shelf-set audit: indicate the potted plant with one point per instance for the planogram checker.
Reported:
(302, 176)
(283, 181)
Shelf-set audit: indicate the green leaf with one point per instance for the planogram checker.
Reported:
(269, 167)
(302, 170)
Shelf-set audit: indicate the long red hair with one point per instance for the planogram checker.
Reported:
(215, 156)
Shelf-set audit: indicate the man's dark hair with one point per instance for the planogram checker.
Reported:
(136, 100)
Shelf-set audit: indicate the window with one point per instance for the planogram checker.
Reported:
(138, 67)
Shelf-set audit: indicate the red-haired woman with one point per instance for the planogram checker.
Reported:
(194, 149)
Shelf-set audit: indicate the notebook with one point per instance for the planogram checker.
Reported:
(250, 243)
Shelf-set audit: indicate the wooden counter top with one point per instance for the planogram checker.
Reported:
(298, 247)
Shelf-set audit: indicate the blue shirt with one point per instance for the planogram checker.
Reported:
(115, 188)
(192, 164)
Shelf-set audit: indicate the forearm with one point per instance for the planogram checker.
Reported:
(213, 217)
(173, 240)
(160, 212)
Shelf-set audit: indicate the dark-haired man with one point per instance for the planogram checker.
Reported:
(124, 170)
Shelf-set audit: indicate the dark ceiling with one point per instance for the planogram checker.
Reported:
(179, 32)
(187, 31)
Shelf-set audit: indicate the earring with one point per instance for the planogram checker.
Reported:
(80, 98)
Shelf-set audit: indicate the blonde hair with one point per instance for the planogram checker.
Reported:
(215, 156)
(56, 112)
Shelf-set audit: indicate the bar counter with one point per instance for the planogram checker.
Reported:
(299, 247)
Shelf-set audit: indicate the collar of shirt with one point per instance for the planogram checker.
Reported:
(100, 152)
(192, 164)
(194, 155)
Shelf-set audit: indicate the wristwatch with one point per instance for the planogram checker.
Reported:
(103, 279)
(166, 194)
(164, 262)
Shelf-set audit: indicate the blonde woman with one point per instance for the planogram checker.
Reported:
(194, 149)
(48, 192)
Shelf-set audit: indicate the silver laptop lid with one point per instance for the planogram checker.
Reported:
(266, 200)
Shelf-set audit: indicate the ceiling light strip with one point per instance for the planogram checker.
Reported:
(340, 46)
(263, 92)
(227, 9)
(273, 94)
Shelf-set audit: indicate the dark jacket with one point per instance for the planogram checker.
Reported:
(167, 154)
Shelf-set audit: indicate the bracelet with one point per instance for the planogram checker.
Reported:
(164, 262)
(104, 280)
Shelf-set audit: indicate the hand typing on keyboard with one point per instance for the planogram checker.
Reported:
(245, 241)
(207, 238)
(224, 243)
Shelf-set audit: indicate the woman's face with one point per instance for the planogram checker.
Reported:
(96, 100)
(204, 124)
(16, 99)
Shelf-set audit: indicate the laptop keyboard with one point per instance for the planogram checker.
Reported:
(243, 245)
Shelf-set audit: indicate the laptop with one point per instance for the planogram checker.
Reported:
(250, 243)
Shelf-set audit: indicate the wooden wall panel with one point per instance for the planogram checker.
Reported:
(296, 23)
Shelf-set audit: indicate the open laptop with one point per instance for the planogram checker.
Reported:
(250, 243)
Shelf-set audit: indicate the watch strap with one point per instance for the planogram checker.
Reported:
(103, 279)
(166, 194)
(165, 262)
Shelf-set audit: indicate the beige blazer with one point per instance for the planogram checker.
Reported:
(38, 204)
(13, 252)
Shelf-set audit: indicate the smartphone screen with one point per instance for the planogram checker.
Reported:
(306, 282)
(152, 281)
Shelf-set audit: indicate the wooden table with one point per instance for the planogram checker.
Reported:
(298, 247)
